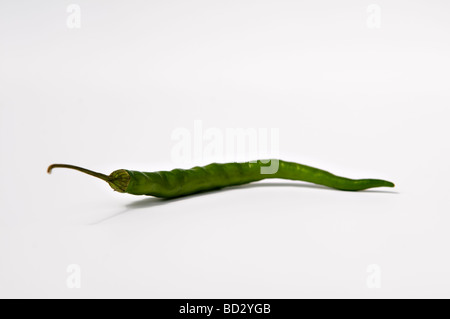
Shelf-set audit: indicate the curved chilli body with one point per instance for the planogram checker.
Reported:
(180, 182)
(299, 172)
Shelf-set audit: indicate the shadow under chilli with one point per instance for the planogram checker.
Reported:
(154, 201)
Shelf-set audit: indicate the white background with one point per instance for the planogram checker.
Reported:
(356, 100)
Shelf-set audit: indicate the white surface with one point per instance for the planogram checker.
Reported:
(357, 101)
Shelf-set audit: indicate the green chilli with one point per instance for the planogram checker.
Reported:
(181, 182)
